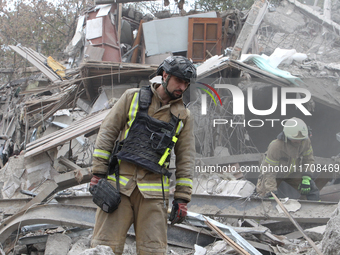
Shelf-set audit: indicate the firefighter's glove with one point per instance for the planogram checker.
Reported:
(304, 187)
(94, 180)
(178, 211)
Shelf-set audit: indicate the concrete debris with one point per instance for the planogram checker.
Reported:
(199, 250)
(79, 246)
(53, 246)
(99, 250)
(316, 233)
(331, 238)
(219, 247)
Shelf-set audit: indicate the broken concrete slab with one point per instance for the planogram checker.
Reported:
(331, 238)
(98, 250)
(80, 245)
(316, 233)
(284, 19)
(54, 247)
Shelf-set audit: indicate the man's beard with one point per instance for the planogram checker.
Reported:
(173, 95)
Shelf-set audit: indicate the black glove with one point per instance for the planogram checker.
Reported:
(178, 211)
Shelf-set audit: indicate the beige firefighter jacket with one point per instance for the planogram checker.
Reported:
(116, 124)
(285, 160)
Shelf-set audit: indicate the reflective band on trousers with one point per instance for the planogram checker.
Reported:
(154, 186)
(122, 180)
(184, 182)
(101, 154)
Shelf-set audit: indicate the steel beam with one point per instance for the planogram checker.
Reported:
(57, 214)
(256, 208)
(221, 206)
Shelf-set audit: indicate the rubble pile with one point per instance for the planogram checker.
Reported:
(50, 118)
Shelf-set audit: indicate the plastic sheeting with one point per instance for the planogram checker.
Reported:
(270, 63)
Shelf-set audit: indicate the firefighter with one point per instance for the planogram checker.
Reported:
(150, 122)
(289, 158)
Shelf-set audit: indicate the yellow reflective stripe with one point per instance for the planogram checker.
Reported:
(164, 157)
(122, 180)
(132, 112)
(184, 182)
(272, 162)
(152, 187)
(101, 154)
(166, 180)
(179, 127)
(308, 152)
(167, 152)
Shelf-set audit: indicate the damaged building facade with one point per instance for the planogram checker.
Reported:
(49, 123)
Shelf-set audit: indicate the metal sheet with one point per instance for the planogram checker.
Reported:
(103, 11)
(168, 35)
(94, 28)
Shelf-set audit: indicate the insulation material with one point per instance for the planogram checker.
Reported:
(56, 67)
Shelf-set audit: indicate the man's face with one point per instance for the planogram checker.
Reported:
(176, 86)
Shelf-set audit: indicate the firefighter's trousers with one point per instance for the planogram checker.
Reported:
(150, 223)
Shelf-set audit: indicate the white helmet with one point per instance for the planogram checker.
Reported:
(295, 129)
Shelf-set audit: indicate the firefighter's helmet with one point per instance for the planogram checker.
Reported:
(295, 129)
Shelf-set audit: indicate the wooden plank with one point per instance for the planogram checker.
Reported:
(36, 62)
(68, 163)
(75, 125)
(310, 241)
(43, 195)
(31, 69)
(66, 100)
(119, 18)
(143, 51)
(78, 125)
(137, 42)
(63, 138)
